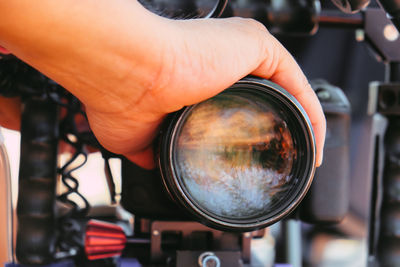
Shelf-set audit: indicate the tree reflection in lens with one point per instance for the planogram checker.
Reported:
(235, 155)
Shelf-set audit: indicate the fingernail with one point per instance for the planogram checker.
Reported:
(320, 159)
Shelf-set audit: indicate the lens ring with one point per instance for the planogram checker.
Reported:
(218, 9)
(305, 173)
(162, 8)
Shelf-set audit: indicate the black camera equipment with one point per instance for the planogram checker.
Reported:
(392, 7)
(288, 16)
(243, 159)
(201, 151)
(253, 145)
(250, 148)
(186, 9)
(331, 181)
(240, 161)
(384, 241)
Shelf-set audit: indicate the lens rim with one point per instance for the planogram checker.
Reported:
(218, 9)
(179, 193)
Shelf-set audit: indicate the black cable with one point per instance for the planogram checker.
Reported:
(109, 178)
(72, 185)
(68, 128)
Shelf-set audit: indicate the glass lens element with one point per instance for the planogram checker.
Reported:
(180, 9)
(234, 155)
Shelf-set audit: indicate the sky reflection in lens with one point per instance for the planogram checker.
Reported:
(234, 155)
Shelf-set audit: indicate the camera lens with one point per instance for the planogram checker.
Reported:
(242, 159)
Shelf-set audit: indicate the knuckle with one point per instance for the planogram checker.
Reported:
(257, 25)
(250, 23)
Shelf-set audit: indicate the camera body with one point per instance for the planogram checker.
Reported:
(144, 193)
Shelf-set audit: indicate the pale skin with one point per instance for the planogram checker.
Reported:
(131, 67)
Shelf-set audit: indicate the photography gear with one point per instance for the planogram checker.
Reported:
(186, 189)
(287, 17)
(328, 198)
(280, 16)
(392, 7)
(351, 6)
(239, 161)
(186, 9)
(37, 231)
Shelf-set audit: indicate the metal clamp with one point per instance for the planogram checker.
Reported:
(209, 259)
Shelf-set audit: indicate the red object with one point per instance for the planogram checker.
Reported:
(103, 240)
(3, 50)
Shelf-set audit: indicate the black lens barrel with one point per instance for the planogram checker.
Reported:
(302, 168)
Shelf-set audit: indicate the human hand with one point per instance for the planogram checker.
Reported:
(207, 57)
(130, 75)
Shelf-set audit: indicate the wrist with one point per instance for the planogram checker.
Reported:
(143, 59)
(77, 45)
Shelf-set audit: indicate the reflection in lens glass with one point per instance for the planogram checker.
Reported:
(235, 155)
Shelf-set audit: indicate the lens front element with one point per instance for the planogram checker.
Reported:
(241, 158)
(234, 155)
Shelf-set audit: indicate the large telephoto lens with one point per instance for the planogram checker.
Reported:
(241, 160)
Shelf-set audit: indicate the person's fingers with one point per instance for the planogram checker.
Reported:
(310, 103)
(283, 70)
